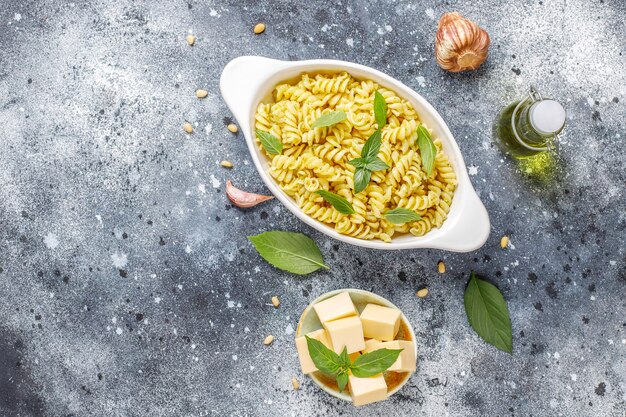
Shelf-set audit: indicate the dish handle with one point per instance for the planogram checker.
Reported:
(241, 79)
(472, 227)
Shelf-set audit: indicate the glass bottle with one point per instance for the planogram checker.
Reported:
(530, 126)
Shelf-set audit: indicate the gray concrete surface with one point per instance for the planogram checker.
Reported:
(127, 285)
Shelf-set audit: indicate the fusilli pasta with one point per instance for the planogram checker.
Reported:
(314, 159)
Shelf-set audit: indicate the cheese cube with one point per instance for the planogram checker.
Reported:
(346, 332)
(336, 307)
(406, 360)
(306, 363)
(372, 345)
(367, 390)
(380, 322)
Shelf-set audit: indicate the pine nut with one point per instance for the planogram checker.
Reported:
(504, 242)
(422, 293)
(226, 164)
(201, 93)
(259, 28)
(232, 127)
(187, 127)
(295, 383)
(268, 340)
(191, 39)
(441, 267)
(275, 301)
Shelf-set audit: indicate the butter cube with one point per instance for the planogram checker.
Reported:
(372, 345)
(346, 332)
(406, 360)
(367, 390)
(380, 322)
(336, 307)
(306, 363)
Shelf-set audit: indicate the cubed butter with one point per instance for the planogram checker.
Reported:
(346, 332)
(406, 360)
(336, 307)
(371, 345)
(367, 390)
(306, 363)
(380, 322)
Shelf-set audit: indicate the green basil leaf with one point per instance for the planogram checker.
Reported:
(401, 215)
(357, 162)
(345, 358)
(380, 110)
(342, 380)
(326, 360)
(330, 119)
(428, 150)
(373, 363)
(342, 205)
(361, 179)
(376, 164)
(293, 252)
(270, 143)
(488, 314)
(372, 146)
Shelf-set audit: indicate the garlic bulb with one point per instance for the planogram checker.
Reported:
(244, 199)
(460, 44)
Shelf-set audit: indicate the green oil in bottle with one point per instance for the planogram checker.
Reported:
(529, 127)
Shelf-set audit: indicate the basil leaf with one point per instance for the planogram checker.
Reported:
(401, 215)
(342, 380)
(488, 314)
(293, 252)
(380, 110)
(373, 363)
(376, 164)
(345, 358)
(371, 147)
(329, 119)
(428, 150)
(326, 360)
(358, 162)
(342, 205)
(270, 143)
(361, 179)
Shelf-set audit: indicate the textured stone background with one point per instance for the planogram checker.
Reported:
(127, 285)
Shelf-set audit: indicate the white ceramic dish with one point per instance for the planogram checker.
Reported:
(248, 80)
(309, 322)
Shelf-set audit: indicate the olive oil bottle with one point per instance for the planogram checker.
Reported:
(530, 126)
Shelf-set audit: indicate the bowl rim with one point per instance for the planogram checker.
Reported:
(247, 79)
(376, 298)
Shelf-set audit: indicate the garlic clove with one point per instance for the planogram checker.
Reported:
(243, 199)
(460, 44)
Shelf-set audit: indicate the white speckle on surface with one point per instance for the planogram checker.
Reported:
(590, 101)
(215, 182)
(325, 28)
(234, 357)
(120, 259)
(350, 42)
(380, 31)
(554, 403)
(118, 330)
(289, 329)
(430, 13)
(202, 188)
(230, 304)
(388, 28)
(17, 17)
(246, 329)
(213, 12)
(421, 81)
(114, 320)
(187, 249)
(51, 241)
(208, 128)
(157, 300)
(574, 377)
(557, 355)
(610, 341)
(473, 170)
(592, 298)
(613, 263)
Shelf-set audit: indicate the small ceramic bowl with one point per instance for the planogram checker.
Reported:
(309, 322)
(249, 80)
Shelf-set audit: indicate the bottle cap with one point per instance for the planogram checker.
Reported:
(547, 117)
